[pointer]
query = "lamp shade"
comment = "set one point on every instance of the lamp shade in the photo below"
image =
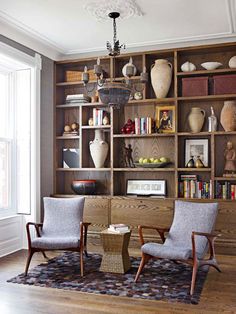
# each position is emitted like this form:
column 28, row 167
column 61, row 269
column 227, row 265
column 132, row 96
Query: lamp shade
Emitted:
column 114, row 93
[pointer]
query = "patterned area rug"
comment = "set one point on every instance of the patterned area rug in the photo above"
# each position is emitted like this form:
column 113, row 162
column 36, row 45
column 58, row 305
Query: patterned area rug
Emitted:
column 160, row 280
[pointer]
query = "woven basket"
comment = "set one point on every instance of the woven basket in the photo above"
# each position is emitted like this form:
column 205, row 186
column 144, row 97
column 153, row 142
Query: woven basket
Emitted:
column 73, row 76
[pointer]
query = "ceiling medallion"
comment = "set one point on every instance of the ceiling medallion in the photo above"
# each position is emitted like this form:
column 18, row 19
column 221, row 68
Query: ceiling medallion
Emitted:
column 101, row 8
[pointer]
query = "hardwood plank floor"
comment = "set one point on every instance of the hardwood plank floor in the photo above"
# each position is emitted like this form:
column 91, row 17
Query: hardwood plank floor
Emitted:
column 218, row 296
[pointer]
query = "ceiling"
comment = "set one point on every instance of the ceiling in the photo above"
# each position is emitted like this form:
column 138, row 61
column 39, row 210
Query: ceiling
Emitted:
column 64, row 29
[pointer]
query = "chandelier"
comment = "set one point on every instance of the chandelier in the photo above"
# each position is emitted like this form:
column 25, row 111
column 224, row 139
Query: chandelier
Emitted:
column 113, row 93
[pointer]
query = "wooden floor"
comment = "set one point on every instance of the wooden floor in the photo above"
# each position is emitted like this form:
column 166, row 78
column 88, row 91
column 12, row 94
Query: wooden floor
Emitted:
column 218, row 296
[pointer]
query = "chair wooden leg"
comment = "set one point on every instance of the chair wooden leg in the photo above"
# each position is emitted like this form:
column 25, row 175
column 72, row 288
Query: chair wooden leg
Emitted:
column 145, row 259
column 81, row 264
column 30, row 254
column 44, row 255
column 194, row 275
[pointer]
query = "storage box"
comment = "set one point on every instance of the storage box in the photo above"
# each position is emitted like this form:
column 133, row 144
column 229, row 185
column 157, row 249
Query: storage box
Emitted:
column 73, row 76
column 194, row 86
column 224, row 84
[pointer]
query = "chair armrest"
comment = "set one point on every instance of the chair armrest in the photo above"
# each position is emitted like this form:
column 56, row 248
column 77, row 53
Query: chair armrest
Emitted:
column 210, row 238
column 160, row 230
column 37, row 226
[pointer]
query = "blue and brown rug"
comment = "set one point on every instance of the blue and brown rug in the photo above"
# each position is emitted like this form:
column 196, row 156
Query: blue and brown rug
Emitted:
column 160, row 279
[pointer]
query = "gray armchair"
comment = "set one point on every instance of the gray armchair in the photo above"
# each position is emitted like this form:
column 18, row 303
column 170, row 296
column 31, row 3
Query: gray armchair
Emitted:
column 62, row 229
column 188, row 239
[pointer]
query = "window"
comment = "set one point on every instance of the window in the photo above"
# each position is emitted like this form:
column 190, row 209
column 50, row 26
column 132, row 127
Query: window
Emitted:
column 18, row 123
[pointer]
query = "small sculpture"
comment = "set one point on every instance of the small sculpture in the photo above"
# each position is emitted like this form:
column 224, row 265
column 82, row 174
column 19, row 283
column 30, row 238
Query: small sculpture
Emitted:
column 71, row 130
column 188, row 67
column 190, row 163
column 90, row 122
column 128, row 159
column 105, row 120
column 230, row 160
column 199, row 163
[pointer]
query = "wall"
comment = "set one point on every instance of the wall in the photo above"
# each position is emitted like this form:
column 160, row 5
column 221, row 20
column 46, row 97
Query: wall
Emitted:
column 46, row 150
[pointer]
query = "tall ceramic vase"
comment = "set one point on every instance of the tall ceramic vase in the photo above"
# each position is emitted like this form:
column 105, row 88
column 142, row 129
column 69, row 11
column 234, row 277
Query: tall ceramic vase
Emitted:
column 196, row 119
column 161, row 75
column 98, row 149
column 228, row 115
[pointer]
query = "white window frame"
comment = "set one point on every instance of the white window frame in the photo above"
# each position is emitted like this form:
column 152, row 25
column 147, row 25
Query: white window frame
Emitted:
column 34, row 62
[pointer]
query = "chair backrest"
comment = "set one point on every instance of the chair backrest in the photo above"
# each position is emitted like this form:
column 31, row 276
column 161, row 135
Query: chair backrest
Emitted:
column 62, row 216
column 189, row 217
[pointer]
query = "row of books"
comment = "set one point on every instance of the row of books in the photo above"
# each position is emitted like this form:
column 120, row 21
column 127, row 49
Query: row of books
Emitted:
column 143, row 125
column 119, row 228
column 98, row 115
column 191, row 187
column 225, row 190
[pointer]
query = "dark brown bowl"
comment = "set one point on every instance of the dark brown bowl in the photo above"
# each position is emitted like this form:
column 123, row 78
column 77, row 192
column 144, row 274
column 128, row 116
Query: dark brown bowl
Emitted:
column 84, row 187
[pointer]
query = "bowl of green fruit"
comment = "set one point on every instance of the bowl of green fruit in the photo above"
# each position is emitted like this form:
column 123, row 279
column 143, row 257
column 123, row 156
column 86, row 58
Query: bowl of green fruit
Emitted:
column 152, row 162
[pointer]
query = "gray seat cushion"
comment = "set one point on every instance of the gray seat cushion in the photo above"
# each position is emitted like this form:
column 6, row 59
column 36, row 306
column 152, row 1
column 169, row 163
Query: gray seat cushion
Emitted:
column 164, row 251
column 55, row 243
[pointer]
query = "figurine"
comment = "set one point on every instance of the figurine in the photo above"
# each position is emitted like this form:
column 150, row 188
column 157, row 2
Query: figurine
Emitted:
column 199, row 163
column 230, row 160
column 128, row 159
column 190, row 163
column 90, row 122
column 105, row 120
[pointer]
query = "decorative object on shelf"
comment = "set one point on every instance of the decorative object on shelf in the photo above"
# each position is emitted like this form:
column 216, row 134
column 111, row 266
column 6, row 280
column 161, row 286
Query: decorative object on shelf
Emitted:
column 95, row 98
column 143, row 125
column 152, row 162
column 105, row 120
column 70, row 158
column 90, row 122
column 84, row 187
column 224, row 84
column 230, row 160
column 190, row 163
column 138, row 96
column 228, row 115
column 194, row 86
column 129, row 127
column 195, row 148
column 190, row 186
column 146, row 187
column 188, row 67
column 161, row 76
column 232, row 62
column 199, row 163
column 165, row 118
column 196, row 119
column 98, row 149
column 77, row 98
column 129, row 69
column 71, row 130
column 212, row 121
column 114, row 93
column 211, row 65
column 128, row 158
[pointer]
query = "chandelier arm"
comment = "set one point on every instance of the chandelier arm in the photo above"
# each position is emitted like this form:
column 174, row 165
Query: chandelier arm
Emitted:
column 89, row 90
column 139, row 89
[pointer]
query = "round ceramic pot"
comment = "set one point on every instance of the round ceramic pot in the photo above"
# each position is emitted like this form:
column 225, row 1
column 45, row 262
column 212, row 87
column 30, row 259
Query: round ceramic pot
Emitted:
column 196, row 119
column 98, row 149
column 84, row 187
column 228, row 115
column 161, row 75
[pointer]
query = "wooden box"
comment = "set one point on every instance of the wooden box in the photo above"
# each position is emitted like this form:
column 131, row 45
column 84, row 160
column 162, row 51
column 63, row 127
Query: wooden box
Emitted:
column 194, row 86
column 73, row 76
column 224, row 84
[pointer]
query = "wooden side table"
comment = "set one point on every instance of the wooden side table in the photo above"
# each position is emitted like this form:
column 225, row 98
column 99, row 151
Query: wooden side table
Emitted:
column 116, row 256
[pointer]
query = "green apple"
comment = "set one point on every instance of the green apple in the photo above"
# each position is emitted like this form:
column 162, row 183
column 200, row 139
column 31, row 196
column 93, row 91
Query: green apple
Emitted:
column 156, row 161
column 145, row 161
column 152, row 160
column 164, row 159
column 140, row 160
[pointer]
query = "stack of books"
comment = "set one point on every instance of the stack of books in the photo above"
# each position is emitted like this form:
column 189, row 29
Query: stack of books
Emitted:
column 77, row 98
column 119, row 228
column 98, row 115
column 191, row 187
column 143, row 125
column 225, row 190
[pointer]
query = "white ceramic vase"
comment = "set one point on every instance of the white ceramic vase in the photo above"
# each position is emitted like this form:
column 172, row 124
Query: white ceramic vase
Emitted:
column 196, row 119
column 228, row 115
column 98, row 149
column 161, row 75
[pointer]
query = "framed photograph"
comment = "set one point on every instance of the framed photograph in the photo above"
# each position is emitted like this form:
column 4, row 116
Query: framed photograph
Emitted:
column 146, row 187
column 165, row 118
column 197, row 148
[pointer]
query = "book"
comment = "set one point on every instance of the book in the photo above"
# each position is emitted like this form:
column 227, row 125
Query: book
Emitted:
column 118, row 228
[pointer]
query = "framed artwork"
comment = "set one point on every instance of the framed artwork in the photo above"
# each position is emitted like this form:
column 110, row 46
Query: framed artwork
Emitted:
column 165, row 118
column 197, row 148
column 146, row 187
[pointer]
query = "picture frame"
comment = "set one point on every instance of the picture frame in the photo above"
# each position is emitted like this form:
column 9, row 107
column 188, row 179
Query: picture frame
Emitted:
column 197, row 147
column 165, row 118
column 146, row 187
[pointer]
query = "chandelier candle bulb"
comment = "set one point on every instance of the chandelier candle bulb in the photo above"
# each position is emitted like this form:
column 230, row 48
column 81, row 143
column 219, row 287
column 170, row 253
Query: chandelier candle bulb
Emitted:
column 98, row 68
column 85, row 75
column 144, row 76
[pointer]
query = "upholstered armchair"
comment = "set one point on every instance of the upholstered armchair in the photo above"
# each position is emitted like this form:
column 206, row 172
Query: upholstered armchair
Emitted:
column 187, row 240
column 63, row 229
